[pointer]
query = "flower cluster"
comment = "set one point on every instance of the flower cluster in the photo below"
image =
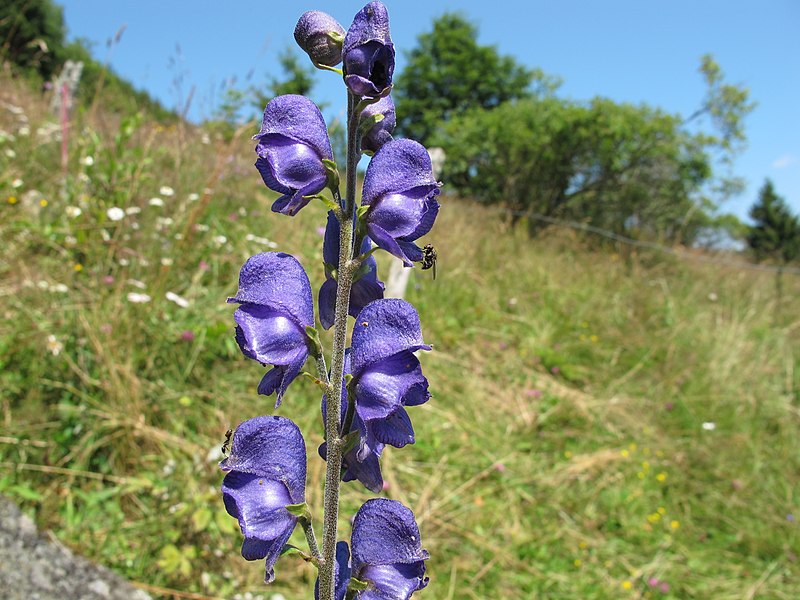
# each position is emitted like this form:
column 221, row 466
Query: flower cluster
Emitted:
column 371, row 384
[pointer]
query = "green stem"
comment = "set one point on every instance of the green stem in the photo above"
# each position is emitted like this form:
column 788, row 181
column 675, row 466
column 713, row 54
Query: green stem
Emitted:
column 346, row 270
column 311, row 538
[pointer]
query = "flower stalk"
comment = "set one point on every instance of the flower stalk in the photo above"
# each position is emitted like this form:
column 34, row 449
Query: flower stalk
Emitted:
column 346, row 269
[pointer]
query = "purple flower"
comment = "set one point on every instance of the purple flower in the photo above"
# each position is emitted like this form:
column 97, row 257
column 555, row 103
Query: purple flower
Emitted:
column 400, row 190
column 368, row 52
column 387, row 553
column 266, row 472
column 366, row 287
column 381, row 132
column 276, row 307
column 367, row 469
column 292, row 144
column 321, row 37
column 386, row 375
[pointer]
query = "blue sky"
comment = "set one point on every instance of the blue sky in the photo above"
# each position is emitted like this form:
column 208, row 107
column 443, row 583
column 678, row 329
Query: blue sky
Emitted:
column 643, row 51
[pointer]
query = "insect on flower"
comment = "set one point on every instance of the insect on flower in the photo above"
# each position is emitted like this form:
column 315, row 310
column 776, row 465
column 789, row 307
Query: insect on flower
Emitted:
column 226, row 445
column 429, row 259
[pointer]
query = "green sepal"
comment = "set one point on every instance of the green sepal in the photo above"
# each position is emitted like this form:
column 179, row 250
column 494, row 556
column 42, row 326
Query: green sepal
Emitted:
column 331, row 271
column 362, row 210
column 336, row 37
column 299, row 510
column 368, row 123
column 357, row 585
column 332, row 171
column 313, row 335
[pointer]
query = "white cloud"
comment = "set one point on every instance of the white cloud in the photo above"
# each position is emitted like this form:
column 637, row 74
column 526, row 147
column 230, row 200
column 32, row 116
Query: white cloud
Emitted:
column 787, row 160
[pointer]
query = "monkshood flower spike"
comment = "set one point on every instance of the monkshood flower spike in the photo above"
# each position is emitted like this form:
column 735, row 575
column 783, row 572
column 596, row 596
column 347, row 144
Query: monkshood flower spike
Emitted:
column 276, row 307
column 368, row 52
column 266, row 472
column 366, row 287
column 388, row 559
column 381, row 132
column 400, row 190
column 387, row 376
column 292, row 144
column 321, row 37
column 367, row 469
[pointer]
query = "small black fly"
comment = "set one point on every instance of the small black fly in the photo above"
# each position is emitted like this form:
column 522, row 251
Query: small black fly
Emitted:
column 226, row 446
column 429, row 259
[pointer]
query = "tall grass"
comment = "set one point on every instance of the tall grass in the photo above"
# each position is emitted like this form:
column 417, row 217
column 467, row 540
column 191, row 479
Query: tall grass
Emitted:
column 602, row 426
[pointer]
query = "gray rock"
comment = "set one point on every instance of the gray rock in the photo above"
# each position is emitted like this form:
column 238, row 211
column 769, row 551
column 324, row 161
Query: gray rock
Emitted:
column 34, row 568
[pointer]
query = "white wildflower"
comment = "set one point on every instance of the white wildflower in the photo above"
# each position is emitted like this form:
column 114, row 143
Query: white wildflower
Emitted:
column 180, row 301
column 709, row 426
column 105, row 235
column 167, row 261
column 166, row 191
column 59, row 288
column 205, row 139
column 162, row 222
column 124, row 262
column 155, row 201
column 713, row 297
column 133, row 210
column 137, row 284
column 220, row 240
column 201, row 227
column 53, row 345
column 24, row 131
column 10, row 153
column 115, row 214
column 17, row 183
column 193, row 197
column 42, row 284
column 73, row 211
column 135, row 226
column 87, row 161
column 260, row 240
column 70, row 240
column 137, row 298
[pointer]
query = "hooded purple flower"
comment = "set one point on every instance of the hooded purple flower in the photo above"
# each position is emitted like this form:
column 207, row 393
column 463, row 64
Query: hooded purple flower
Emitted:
column 292, row 143
column 276, row 307
column 321, row 37
column 387, row 553
column 368, row 52
column 266, row 472
column 366, row 287
column 367, row 470
column 381, row 132
column 400, row 189
column 386, row 375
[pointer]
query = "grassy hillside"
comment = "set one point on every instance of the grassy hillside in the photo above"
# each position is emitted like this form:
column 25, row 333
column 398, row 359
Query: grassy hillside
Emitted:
column 602, row 426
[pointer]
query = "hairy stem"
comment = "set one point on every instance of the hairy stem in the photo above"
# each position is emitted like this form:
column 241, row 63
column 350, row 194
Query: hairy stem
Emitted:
column 347, row 267
column 311, row 538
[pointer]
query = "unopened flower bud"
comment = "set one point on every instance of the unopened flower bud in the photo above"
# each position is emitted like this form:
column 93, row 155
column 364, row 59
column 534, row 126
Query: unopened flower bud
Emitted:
column 321, row 37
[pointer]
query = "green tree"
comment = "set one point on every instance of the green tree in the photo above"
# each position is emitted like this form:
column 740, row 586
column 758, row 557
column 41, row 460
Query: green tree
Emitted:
column 629, row 169
column 32, row 34
column 775, row 233
column 449, row 72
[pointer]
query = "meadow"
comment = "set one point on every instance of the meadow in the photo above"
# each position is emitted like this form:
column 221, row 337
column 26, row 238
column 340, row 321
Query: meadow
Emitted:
column 605, row 423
